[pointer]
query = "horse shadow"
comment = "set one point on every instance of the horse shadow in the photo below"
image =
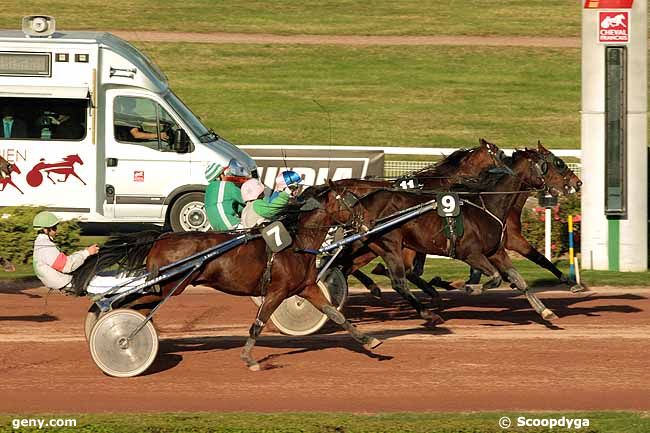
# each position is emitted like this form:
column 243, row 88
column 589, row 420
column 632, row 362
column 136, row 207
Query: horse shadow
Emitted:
column 509, row 307
column 19, row 287
column 41, row 318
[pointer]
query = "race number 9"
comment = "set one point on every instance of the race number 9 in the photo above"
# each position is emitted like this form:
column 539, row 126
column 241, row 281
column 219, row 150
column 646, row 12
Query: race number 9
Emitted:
column 276, row 236
column 448, row 204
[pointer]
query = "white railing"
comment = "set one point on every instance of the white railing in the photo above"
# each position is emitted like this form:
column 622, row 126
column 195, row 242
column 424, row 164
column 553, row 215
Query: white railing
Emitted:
column 427, row 155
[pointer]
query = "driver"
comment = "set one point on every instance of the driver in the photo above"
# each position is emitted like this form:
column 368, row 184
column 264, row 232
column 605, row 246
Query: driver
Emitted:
column 223, row 199
column 258, row 210
column 51, row 266
column 125, row 105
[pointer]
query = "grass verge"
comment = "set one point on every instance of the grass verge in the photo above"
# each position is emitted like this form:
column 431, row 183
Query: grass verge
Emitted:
column 484, row 422
column 345, row 17
column 379, row 96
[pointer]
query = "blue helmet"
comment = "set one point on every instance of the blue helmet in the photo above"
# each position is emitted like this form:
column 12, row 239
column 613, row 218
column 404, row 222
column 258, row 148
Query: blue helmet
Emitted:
column 291, row 178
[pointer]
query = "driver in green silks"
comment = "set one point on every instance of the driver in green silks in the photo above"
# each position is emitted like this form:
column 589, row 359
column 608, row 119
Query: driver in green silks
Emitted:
column 223, row 199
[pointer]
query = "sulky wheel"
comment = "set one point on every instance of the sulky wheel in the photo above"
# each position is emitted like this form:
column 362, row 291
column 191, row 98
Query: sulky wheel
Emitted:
column 91, row 318
column 116, row 355
column 296, row 316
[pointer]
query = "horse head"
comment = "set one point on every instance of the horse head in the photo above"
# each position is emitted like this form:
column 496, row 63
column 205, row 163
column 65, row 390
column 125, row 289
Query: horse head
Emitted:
column 529, row 166
column 559, row 177
column 73, row 159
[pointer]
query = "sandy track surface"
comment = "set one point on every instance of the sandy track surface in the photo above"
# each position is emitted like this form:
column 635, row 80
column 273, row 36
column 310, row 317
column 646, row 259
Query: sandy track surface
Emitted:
column 353, row 40
column 493, row 353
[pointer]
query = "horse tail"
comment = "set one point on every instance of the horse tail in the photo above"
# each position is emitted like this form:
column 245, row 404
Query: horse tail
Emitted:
column 127, row 252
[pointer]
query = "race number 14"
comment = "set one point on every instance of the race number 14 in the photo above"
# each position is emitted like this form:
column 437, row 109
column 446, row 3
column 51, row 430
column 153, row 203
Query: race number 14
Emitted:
column 448, row 204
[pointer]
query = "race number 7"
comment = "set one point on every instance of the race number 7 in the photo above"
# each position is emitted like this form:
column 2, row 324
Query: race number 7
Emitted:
column 448, row 204
column 276, row 236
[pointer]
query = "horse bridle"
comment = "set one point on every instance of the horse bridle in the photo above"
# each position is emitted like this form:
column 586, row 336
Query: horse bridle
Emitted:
column 562, row 168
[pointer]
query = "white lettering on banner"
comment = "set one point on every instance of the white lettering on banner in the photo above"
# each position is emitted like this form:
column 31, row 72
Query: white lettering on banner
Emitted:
column 342, row 173
column 312, row 177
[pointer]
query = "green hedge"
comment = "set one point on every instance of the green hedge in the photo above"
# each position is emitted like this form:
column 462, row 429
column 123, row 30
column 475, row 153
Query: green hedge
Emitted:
column 17, row 234
column 533, row 225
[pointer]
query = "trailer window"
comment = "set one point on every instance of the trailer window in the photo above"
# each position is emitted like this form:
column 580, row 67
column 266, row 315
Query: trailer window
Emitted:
column 143, row 122
column 43, row 119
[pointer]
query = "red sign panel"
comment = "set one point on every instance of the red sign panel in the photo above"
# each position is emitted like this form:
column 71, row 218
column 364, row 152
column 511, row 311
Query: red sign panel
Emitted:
column 614, row 27
column 138, row 176
column 608, row 4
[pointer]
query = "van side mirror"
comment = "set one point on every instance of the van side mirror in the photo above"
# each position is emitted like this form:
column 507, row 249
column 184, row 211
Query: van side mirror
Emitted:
column 181, row 142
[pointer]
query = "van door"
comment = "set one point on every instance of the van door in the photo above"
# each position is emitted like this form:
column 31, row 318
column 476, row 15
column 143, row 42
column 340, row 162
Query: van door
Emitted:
column 141, row 167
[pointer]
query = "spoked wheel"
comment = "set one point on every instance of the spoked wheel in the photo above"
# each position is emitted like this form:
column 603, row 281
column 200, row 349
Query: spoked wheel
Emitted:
column 296, row 315
column 117, row 355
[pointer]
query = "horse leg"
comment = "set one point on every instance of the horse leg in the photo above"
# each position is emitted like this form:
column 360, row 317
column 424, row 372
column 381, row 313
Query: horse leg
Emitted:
column 77, row 176
column 368, row 283
column 504, row 264
column 480, row 262
column 269, row 303
column 413, row 276
column 315, row 296
column 518, row 243
column 394, row 260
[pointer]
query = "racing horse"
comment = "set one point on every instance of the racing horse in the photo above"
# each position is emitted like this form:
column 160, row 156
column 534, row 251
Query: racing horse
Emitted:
column 461, row 164
column 560, row 180
column 566, row 183
column 241, row 271
column 484, row 224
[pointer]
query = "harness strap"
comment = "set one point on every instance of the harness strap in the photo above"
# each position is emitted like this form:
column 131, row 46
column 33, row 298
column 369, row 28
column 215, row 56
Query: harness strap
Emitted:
column 487, row 211
column 266, row 277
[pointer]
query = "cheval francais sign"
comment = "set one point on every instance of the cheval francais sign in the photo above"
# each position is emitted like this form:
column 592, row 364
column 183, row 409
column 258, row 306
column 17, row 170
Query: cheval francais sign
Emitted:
column 614, row 27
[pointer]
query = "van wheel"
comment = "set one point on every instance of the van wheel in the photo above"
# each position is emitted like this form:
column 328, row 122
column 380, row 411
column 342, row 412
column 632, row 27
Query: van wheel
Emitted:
column 188, row 214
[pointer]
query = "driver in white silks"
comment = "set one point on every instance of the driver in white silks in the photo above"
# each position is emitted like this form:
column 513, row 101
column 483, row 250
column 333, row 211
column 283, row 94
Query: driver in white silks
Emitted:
column 52, row 266
column 259, row 210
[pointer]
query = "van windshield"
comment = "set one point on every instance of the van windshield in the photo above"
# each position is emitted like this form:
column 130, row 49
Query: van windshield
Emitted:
column 193, row 122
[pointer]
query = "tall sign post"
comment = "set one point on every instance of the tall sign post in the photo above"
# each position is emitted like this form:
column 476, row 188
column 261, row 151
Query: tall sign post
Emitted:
column 614, row 135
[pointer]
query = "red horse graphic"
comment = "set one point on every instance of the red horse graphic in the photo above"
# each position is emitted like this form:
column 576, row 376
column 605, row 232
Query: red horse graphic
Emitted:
column 6, row 168
column 65, row 167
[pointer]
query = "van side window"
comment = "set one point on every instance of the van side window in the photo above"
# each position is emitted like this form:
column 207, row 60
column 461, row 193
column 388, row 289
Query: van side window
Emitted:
column 43, row 119
column 143, row 122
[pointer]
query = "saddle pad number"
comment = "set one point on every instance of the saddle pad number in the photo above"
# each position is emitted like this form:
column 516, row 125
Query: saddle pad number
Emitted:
column 407, row 184
column 448, row 204
column 276, row 236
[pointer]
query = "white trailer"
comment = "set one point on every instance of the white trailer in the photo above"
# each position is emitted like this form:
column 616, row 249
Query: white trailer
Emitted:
column 95, row 132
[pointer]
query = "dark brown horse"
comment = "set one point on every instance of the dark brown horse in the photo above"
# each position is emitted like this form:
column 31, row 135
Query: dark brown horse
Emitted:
column 560, row 180
column 459, row 165
column 483, row 219
column 241, row 271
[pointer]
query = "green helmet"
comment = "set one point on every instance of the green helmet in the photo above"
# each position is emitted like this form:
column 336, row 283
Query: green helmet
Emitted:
column 45, row 219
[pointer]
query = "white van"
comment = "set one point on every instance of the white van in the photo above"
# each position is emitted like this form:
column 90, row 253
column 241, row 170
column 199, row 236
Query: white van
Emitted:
column 94, row 132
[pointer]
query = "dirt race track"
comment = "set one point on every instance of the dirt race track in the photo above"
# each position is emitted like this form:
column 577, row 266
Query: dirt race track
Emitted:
column 493, row 353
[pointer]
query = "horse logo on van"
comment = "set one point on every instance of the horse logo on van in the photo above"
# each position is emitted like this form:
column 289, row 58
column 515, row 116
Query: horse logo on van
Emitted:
column 65, row 168
column 6, row 170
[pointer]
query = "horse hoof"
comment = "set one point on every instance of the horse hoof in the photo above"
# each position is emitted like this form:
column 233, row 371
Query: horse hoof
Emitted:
column 373, row 343
column 437, row 320
column 577, row 288
column 474, row 289
column 254, row 367
column 376, row 292
column 548, row 315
